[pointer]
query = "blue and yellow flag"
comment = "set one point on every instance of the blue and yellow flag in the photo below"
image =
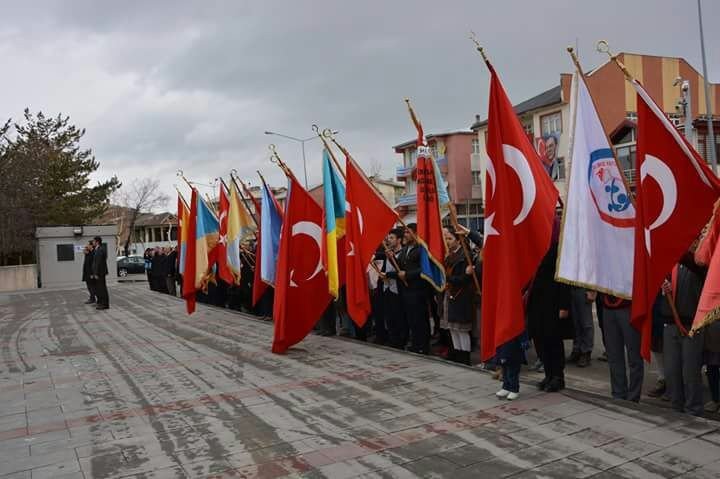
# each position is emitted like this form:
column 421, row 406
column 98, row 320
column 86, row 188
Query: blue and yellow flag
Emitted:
column 207, row 235
column 333, row 223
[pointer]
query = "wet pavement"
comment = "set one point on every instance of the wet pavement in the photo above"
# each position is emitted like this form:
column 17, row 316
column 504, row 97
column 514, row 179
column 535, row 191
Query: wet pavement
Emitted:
column 143, row 390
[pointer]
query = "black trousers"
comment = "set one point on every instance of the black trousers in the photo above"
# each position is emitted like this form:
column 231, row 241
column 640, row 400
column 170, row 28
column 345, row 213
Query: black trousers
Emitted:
column 553, row 356
column 418, row 318
column 395, row 320
column 103, row 297
column 91, row 289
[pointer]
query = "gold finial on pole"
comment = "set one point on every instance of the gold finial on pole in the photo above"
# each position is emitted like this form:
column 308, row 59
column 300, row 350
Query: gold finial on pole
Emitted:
column 182, row 175
column 479, row 47
column 324, row 135
column 275, row 158
column 416, row 122
column 602, row 46
column 576, row 60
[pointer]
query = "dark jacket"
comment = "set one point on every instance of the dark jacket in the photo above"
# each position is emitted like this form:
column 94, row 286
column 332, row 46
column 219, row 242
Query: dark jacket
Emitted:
column 689, row 286
column 409, row 261
column 99, row 262
column 171, row 265
column 87, row 266
column 460, row 289
column 546, row 298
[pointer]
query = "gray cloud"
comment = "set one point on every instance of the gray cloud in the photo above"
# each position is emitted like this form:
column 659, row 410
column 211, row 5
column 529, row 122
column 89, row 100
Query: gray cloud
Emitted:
column 193, row 85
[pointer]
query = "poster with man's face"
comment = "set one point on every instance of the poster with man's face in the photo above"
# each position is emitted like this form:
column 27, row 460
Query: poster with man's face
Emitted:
column 547, row 149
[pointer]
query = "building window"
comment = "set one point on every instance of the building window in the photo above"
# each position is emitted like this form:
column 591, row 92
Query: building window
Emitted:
column 476, row 146
column 477, row 177
column 157, row 234
column 551, row 124
column 65, row 252
column 173, row 234
column 139, row 236
column 626, row 158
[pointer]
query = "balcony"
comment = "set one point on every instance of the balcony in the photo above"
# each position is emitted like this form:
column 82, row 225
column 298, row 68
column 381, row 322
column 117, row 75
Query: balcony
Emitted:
column 402, row 172
column 409, row 199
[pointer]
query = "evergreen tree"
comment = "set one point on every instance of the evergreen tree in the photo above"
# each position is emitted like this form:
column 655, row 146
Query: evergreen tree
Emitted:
column 45, row 181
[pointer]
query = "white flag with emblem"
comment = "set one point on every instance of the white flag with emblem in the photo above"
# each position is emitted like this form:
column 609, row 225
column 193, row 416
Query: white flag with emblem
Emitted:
column 597, row 237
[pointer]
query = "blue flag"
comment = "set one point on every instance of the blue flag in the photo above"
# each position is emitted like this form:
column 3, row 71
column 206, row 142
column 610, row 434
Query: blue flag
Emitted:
column 270, row 225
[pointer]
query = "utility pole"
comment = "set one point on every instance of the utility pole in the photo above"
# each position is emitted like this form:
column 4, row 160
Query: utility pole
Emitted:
column 710, row 139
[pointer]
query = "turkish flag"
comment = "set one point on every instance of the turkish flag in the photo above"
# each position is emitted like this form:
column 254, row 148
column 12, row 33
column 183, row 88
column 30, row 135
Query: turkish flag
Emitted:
column 301, row 287
column 520, row 201
column 221, row 250
column 366, row 224
column 188, row 286
column 675, row 193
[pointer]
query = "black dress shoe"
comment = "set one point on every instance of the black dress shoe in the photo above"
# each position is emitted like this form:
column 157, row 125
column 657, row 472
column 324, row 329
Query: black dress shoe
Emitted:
column 556, row 384
column 90, row 301
column 543, row 384
column 574, row 357
column 100, row 306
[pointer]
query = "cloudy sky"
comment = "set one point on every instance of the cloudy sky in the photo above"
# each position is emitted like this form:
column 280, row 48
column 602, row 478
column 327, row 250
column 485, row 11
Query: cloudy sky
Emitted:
column 163, row 85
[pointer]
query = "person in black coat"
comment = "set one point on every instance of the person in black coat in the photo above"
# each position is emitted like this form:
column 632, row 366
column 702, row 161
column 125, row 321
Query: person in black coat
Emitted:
column 171, row 271
column 458, row 300
column 548, row 320
column 87, row 273
column 99, row 274
column 414, row 292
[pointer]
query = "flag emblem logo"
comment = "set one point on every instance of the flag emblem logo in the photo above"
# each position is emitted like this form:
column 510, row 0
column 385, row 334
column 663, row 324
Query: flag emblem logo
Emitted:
column 608, row 190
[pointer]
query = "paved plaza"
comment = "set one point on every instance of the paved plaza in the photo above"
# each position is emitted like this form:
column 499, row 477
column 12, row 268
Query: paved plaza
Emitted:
column 143, row 390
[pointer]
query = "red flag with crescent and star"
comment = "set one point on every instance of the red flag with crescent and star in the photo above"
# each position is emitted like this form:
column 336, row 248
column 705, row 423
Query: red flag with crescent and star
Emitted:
column 366, row 224
column 675, row 195
column 520, row 201
column 223, row 269
column 301, row 287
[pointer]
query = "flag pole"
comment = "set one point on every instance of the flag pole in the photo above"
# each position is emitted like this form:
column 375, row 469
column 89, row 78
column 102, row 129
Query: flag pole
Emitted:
column 421, row 143
column 581, row 74
column 181, row 197
column 465, row 248
column 182, row 175
column 479, row 48
column 603, row 47
column 235, row 180
column 323, row 138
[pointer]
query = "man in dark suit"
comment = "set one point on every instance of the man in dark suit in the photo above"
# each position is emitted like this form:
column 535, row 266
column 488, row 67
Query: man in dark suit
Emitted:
column 99, row 273
column 87, row 272
column 413, row 292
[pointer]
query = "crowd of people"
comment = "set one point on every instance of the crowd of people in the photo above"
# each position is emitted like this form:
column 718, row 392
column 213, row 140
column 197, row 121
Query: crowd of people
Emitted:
column 407, row 313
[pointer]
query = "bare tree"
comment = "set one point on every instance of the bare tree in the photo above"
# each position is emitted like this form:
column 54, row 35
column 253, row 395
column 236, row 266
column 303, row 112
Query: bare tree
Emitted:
column 141, row 195
column 375, row 168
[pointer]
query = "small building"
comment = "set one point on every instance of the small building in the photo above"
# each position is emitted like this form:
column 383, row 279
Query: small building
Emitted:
column 60, row 253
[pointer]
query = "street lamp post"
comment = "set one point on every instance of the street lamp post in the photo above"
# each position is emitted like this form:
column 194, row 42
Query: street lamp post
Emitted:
column 710, row 138
column 302, row 145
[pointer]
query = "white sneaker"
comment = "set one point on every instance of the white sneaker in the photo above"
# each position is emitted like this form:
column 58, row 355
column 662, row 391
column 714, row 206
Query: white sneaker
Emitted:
column 512, row 396
column 503, row 393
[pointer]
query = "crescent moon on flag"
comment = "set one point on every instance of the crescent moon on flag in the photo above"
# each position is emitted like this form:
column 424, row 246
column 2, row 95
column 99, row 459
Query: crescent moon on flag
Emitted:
column 361, row 225
column 515, row 159
column 314, row 231
column 658, row 170
column 490, row 168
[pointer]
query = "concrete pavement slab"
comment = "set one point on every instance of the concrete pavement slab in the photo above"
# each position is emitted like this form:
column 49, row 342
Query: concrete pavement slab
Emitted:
column 143, row 390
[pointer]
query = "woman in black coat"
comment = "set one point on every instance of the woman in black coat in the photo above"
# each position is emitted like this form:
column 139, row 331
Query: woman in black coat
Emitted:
column 548, row 320
column 458, row 300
